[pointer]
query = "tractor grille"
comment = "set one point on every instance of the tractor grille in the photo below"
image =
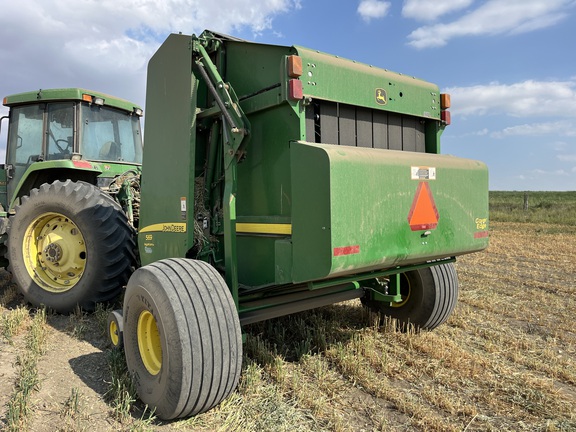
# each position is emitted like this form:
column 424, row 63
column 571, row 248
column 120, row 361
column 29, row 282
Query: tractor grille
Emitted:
column 336, row 123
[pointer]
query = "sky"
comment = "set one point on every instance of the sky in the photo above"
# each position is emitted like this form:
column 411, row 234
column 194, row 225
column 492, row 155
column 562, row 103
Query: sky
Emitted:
column 509, row 65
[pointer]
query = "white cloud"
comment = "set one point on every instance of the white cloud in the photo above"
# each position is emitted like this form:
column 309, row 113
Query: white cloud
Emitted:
column 372, row 9
column 106, row 44
column 559, row 172
column 524, row 99
column 481, row 132
column 567, row 157
column 562, row 128
column 491, row 18
column 559, row 146
column 539, row 180
column 426, row 10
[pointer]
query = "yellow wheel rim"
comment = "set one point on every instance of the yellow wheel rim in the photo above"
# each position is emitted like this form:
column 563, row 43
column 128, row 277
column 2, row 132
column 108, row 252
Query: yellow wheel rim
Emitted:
column 114, row 333
column 149, row 343
column 54, row 252
column 405, row 291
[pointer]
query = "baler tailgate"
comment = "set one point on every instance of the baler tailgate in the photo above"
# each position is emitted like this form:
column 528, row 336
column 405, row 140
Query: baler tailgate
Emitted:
column 359, row 209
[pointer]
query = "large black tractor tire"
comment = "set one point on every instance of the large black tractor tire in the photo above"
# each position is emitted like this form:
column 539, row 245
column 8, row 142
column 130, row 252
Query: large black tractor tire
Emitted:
column 70, row 245
column 429, row 296
column 182, row 337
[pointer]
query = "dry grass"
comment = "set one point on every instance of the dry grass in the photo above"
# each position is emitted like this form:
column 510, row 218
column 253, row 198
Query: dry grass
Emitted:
column 504, row 361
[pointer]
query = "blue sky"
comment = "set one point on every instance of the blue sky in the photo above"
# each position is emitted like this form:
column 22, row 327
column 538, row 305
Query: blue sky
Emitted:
column 509, row 65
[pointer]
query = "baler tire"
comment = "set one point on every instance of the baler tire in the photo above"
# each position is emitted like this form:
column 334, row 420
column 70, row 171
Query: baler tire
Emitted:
column 115, row 326
column 429, row 297
column 70, row 245
column 182, row 338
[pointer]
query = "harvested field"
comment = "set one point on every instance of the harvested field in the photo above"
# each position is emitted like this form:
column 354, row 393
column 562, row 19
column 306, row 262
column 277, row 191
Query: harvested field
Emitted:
column 505, row 360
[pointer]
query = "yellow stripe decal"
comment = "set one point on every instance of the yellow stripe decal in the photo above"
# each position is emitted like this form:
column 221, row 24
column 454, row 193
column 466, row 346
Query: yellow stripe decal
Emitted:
column 176, row 227
column 264, row 228
column 251, row 228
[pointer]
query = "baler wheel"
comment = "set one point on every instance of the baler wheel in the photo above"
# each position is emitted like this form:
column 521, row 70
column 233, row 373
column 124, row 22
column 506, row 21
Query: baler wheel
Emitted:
column 116, row 329
column 70, row 245
column 429, row 296
column 182, row 337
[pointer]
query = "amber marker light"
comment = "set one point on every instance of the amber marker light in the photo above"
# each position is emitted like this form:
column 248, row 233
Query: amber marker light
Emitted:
column 444, row 105
column 444, row 101
column 294, row 66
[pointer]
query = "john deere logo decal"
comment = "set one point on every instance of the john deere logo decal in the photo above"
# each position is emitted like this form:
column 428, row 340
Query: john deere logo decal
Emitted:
column 381, row 98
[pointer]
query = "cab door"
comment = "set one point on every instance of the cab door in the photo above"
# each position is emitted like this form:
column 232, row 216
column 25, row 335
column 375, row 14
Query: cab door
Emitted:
column 25, row 142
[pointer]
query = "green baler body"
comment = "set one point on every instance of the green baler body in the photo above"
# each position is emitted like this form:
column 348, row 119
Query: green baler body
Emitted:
column 343, row 180
column 365, row 198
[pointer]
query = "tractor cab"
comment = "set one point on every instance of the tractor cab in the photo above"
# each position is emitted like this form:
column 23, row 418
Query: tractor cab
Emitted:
column 64, row 129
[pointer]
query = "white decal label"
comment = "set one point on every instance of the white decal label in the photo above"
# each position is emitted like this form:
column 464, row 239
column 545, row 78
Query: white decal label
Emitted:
column 423, row 173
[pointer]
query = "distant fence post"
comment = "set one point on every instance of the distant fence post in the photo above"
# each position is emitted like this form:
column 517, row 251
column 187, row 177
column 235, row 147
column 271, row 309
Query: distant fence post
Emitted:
column 525, row 201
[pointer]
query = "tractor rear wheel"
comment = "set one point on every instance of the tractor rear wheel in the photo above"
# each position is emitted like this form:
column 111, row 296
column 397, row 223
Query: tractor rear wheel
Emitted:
column 182, row 337
column 429, row 296
column 70, row 245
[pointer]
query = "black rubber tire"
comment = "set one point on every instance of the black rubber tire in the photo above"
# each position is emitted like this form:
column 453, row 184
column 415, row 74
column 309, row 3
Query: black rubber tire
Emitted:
column 115, row 328
column 433, row 294
column 109, row 242
column 199, row 335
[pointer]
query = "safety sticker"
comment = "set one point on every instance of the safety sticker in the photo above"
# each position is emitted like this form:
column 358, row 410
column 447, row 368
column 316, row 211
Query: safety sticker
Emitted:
column 423, row 173
column 347, row 250
column 423, row 214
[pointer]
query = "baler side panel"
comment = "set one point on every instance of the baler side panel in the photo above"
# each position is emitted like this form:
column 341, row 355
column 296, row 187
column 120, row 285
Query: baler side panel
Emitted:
column 333, row 78
column 357, row 209
column 166, row 224
column 264, row 206
column 264, row 192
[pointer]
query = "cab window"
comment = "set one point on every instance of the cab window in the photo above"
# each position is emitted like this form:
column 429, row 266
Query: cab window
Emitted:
column 109, row 135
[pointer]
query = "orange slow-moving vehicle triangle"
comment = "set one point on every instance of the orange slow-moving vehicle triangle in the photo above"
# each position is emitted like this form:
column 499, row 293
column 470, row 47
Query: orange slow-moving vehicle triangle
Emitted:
column 423, row 213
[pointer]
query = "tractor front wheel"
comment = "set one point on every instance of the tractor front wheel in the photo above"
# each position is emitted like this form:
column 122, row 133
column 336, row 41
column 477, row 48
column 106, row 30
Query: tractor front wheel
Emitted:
column 182, row 337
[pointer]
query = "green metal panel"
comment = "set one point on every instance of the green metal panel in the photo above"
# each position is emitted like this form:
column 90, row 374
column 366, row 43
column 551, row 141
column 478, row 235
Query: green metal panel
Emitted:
column 352, row 207
column 264, row 190
column 252, row 67
column 114, row 169
column 3, row 189
column 43, row 171
column 167, row 215
column 333, row 78
column 51, row 95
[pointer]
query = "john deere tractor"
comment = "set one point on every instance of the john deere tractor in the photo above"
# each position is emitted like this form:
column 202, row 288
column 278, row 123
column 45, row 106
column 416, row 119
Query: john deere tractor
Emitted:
column 69, row 194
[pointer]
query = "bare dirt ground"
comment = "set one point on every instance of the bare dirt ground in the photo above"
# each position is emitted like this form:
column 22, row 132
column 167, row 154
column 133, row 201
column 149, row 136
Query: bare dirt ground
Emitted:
column 505, row 360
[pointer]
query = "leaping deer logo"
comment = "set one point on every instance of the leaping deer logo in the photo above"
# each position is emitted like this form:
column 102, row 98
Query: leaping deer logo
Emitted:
column 381, row 97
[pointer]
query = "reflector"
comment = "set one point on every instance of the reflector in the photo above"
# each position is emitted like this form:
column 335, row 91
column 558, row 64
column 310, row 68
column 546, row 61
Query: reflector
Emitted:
column 423, row 214
column 445, row 117
column 294, row 66
column 295, row 89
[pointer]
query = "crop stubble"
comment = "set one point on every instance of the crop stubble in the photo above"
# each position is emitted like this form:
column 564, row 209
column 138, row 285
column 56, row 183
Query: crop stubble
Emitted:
column 503, row 361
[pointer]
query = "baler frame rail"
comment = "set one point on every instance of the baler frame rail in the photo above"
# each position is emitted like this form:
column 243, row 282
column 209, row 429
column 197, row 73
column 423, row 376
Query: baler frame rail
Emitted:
column 267, row 304
column 235, row 130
